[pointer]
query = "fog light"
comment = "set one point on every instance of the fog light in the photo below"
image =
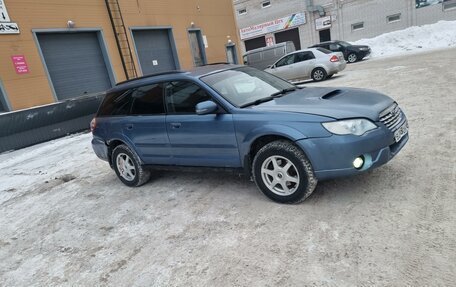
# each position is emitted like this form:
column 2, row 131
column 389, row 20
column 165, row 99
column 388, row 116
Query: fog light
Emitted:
column 358, row 162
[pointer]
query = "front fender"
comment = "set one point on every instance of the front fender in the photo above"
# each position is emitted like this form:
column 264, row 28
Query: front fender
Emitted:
column 268, row 130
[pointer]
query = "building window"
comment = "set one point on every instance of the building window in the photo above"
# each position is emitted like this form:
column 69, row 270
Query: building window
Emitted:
column 358, row 26
column 393, row 18
column 265, row 4
column 449, row 4
column 242, row 11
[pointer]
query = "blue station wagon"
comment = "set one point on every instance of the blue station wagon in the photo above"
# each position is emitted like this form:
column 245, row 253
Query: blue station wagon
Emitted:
column 239, row 118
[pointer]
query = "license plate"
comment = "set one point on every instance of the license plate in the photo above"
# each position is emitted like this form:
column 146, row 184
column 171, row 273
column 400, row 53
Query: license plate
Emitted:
column 401, row 132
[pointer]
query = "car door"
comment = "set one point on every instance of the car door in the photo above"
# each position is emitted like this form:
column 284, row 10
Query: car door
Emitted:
column 303, row 65
column 145, row 126
column 198, row 140
column 283, row 69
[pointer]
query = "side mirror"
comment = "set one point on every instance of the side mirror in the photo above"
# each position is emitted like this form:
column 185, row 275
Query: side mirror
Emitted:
column 206, row 107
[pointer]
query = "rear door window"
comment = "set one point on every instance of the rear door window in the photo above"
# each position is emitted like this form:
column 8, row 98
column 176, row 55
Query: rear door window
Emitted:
column 304, row 56
column 148, row 100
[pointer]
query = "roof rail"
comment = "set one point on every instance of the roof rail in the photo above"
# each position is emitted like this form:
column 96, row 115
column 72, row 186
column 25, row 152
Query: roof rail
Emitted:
column 151, row 75
column 217, row 63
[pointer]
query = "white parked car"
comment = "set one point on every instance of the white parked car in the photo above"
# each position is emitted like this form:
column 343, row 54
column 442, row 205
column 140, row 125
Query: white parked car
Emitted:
column 315, row 63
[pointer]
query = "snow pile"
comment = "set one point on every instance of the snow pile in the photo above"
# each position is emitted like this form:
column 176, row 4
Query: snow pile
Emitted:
column 414, row 39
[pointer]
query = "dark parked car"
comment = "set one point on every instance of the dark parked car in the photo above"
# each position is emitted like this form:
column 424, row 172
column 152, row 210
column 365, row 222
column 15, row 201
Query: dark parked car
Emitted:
column 352, row 53
column 241, row 118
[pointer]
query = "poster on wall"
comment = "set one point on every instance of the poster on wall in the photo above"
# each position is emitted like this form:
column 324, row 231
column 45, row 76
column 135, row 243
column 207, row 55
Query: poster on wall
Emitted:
column 424, row 3
column 273, row 26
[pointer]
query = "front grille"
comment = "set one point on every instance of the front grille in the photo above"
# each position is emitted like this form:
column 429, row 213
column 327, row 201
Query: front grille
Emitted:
column 392, row 116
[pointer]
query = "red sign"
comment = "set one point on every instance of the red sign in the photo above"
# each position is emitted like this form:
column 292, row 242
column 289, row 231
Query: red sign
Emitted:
column 20, row 64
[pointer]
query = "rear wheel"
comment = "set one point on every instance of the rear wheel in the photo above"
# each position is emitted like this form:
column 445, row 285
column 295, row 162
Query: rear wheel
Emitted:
column 352, row 58
column 128, row 166
column 283, row 173
column 319, row 74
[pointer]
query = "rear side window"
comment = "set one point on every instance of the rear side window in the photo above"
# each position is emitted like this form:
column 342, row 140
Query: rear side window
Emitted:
column 183, row 96
column 148, row 100
column 116, row 104
column 323, row 50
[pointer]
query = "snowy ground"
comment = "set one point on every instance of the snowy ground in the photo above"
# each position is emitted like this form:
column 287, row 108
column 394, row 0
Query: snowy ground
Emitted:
column 67, row 220
column 414, row 39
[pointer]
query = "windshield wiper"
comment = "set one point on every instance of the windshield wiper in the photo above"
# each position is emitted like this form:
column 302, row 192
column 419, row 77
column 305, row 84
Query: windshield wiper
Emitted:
column 282, row 92
column 267, row 99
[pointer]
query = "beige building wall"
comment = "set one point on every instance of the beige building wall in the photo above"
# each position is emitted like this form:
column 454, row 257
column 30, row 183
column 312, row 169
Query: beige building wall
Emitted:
column 214, row 18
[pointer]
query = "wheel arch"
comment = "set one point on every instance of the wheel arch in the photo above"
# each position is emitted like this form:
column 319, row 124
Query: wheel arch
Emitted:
column 256, row 140
column 114, row 142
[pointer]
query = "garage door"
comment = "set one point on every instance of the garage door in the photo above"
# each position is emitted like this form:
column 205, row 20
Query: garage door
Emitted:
column 289, row 35
column 255, row 43
column 155, row 51
column 75, row 63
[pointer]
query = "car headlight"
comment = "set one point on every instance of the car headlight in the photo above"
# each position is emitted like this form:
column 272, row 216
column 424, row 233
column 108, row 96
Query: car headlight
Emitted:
column 356, row 127
column 364, row 49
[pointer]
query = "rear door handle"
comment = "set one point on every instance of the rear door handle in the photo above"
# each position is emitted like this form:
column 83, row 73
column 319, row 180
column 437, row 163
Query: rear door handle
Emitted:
column 176, row 125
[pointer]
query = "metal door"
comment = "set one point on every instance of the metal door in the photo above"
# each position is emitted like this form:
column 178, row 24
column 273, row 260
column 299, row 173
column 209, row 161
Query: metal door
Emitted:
column 155, row 50
column 75, row 63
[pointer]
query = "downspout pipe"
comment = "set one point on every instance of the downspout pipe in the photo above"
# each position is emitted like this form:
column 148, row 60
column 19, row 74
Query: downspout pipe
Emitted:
column 318, row 8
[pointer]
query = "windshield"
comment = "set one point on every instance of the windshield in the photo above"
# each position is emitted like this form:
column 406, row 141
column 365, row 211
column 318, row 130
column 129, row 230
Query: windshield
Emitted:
column 345, row 44
column 245, row 85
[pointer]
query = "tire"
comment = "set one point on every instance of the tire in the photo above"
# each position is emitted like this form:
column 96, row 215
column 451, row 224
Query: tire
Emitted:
column 127, row 166
column 319, row 74
column 281, row 184
column 352, row 57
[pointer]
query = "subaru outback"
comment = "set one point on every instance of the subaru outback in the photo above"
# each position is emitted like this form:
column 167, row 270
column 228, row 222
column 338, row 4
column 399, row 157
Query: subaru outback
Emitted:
column 239, row 118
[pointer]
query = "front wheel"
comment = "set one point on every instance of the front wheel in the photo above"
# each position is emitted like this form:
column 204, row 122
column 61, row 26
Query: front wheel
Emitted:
column 283, row 173
column 128, row 166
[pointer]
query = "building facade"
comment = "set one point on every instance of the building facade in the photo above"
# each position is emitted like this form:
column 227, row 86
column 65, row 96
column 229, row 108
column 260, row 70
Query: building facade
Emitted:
column 57, row 50
column 307, row 22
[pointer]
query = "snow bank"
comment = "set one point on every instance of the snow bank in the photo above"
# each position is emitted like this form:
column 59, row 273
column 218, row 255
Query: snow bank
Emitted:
column 414, row 39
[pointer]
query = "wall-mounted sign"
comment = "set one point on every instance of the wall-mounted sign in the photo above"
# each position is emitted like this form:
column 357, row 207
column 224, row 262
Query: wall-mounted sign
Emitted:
column 274, row 25
column 20, row 64
column 9, row 28
column 323, row 23
column 4, row 17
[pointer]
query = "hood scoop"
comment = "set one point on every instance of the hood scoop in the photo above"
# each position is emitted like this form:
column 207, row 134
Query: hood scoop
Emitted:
column 331, row 94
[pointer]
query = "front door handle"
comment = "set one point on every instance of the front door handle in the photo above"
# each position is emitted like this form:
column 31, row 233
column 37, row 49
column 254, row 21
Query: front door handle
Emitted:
column 176, row 125
column 129, row 127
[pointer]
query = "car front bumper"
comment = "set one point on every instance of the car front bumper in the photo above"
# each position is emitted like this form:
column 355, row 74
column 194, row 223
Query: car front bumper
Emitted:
column 333, row 156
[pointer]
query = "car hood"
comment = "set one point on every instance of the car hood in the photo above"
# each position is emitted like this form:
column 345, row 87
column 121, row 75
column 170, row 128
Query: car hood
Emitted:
column 337, row 103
